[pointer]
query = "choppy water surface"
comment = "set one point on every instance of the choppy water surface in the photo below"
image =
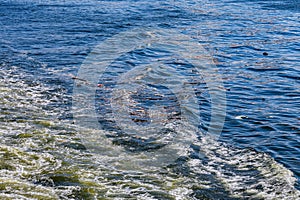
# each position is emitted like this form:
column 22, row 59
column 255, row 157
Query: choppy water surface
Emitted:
column 46, row 154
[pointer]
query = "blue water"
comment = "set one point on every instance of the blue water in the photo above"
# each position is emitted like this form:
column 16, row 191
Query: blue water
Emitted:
column 255, row 46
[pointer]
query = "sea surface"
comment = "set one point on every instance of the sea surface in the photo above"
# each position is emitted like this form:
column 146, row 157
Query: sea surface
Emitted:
column 109, row 99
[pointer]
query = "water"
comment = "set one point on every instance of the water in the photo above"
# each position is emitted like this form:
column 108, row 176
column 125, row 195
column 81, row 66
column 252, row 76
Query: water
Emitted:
column 158, row 148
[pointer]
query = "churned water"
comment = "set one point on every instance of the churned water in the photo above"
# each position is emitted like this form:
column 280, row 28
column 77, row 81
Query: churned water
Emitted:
column 149, row 99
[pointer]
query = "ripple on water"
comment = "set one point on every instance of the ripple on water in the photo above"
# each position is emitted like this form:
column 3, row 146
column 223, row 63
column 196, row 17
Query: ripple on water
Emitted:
column 43, row 158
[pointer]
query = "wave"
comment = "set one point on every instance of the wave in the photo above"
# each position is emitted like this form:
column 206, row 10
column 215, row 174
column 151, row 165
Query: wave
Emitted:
column 43, row 157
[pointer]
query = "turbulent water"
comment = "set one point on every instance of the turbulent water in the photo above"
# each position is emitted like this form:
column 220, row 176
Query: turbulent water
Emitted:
column 134, row 123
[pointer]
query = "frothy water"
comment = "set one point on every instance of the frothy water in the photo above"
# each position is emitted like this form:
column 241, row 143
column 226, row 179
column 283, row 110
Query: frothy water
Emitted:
column 43, row 158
